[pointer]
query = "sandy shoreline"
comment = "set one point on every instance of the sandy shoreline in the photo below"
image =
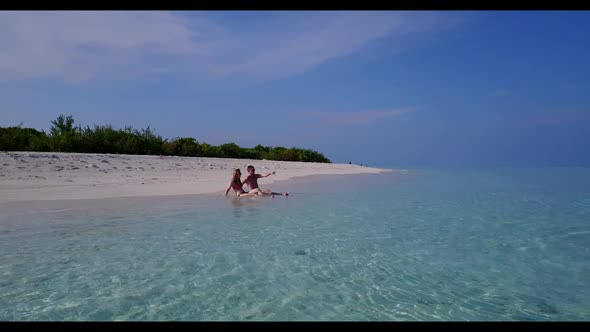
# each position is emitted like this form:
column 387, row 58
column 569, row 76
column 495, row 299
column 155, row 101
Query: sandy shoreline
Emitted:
column 30, row 176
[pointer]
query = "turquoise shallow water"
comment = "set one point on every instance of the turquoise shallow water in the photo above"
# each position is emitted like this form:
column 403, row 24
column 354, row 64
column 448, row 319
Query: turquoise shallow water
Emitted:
column 482, row 245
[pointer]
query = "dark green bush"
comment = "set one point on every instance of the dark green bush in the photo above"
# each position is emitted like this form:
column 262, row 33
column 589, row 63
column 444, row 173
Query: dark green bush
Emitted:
column 64, row 136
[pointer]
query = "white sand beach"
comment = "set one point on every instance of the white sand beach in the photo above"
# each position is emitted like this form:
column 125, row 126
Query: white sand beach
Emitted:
column 31, row 176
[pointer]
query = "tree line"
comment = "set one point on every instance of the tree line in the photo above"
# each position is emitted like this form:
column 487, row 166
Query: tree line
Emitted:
column 64, row 136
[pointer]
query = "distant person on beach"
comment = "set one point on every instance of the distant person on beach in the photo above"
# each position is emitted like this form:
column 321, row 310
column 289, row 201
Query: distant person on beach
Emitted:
column 236, row 184
column 252, row 182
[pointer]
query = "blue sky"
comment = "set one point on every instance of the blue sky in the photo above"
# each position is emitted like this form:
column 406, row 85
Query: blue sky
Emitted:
column 384, row 88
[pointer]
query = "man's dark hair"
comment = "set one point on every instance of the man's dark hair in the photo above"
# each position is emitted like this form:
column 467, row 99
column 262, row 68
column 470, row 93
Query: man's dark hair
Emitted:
column 249, row 167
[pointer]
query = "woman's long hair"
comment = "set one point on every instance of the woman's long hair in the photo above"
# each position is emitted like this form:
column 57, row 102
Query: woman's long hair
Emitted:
column 235, row 178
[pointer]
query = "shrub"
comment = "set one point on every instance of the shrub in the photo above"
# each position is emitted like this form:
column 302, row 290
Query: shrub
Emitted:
column 64, row 136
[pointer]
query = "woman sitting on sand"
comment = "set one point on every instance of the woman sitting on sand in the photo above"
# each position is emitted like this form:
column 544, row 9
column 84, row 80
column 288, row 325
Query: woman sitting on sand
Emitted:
column 236, row 184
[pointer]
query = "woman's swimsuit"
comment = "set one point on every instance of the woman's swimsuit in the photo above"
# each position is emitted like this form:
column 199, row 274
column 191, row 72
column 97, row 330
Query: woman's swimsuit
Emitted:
column 237, row 186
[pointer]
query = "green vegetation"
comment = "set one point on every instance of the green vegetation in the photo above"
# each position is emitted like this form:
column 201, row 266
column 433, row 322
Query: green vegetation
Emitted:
column 64, row 136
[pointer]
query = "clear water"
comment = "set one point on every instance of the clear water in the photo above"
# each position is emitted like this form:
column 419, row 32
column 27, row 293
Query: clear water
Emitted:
column 481, row 245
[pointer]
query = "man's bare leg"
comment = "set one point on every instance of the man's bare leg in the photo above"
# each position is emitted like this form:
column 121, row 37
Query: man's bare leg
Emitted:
column 268, row 192
column 248, row 194
column 259, row 192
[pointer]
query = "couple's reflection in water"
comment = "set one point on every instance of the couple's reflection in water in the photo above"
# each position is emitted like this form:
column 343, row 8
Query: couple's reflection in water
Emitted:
column 245, row 205
column 249, row 206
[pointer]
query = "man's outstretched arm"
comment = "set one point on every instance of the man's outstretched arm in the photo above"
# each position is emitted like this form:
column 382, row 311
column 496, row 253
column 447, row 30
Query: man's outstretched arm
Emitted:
column 269, row 174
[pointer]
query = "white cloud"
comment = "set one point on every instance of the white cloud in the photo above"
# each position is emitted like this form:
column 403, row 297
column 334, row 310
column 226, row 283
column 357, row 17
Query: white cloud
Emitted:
column 78, row 46
column 309, row 39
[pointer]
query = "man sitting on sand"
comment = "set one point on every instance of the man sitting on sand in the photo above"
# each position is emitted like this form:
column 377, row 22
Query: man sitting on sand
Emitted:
column 252, row 182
